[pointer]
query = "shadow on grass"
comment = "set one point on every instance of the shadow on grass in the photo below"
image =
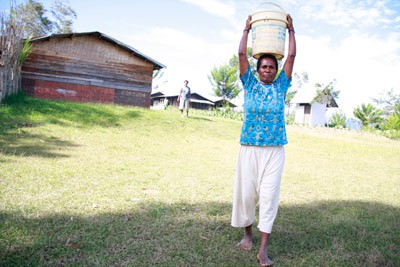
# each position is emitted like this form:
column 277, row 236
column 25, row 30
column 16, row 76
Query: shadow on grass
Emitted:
column 194, row 117
column 321, row 234
column 20, row 110
column 19, row 113
column 27, row 144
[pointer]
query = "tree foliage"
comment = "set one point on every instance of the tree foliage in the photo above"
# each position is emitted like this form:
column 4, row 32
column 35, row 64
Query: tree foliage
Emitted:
column 369, row 115
column 234, row 61
column 25, row 50
column 25, row 21
column 338, row 120
column 300, row 79
column 10, row 56
column 393, row 120
column 388, row 101
column 225, row 78
column 289, row 96
column 33, row 19
column 36, row 22
column 326, row 93
column 224, row 82
column 158, row 78
column 64, row 17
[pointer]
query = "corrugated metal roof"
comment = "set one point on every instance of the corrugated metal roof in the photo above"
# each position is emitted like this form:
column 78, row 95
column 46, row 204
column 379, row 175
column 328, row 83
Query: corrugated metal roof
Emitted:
column 202, row 101
column 109, row 39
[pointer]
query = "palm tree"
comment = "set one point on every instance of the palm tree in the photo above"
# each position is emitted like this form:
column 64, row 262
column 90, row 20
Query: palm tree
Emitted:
column 393, row 120
column 338, row 120
column 368, row 115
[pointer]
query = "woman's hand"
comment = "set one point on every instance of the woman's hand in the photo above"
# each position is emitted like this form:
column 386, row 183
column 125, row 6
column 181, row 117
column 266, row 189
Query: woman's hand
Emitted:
column 289, row 23
column 248, row 26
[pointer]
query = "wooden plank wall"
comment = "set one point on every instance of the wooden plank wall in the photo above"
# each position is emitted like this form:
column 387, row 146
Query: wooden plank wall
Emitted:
column 82, row 67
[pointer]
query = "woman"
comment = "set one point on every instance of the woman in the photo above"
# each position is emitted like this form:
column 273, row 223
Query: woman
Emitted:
column 262, row 156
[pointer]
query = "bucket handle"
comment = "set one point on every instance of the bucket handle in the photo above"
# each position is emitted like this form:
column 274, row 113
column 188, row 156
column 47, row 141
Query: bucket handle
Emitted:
column 271, row 3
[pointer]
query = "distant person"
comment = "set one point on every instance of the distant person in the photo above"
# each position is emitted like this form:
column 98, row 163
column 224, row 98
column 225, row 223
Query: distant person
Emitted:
column 184, row 98
column 166, row 103
column 261, row 156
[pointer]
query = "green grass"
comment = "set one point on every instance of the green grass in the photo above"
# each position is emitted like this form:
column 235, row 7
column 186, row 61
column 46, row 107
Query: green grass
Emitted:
column 103, row 185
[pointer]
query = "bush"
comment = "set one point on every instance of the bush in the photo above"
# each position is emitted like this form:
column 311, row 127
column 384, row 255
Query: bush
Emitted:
column 392, row 123
column 289, row 119
column 226, row 113
column 338, row 120
column 392, row 134
column 234, row 115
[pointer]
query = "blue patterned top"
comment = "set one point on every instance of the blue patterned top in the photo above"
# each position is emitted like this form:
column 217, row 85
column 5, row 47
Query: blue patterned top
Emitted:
column 264, row 111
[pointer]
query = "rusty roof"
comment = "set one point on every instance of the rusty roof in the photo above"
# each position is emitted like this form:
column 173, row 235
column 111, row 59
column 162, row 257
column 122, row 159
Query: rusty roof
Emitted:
column 107, row 38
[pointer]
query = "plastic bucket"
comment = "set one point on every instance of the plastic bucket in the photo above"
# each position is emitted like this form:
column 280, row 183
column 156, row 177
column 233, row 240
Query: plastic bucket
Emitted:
column 268, row 31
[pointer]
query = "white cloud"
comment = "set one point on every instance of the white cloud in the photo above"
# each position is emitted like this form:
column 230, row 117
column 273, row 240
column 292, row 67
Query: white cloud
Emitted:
column 186, row 56
column 362, row 65
column 219, row 8
column 348, row 13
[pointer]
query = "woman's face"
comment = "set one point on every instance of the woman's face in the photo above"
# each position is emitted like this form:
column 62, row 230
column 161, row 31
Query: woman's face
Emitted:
column 267, row 71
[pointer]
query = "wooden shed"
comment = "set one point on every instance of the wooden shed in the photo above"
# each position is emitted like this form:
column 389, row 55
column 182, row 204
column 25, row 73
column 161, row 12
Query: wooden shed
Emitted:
column 88, row 67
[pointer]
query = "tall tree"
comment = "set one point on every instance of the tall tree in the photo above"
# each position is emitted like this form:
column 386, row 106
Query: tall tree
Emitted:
column 224, row 82
column 301, row 79
column 36, row 22
column 326, row 93
column 63, row 15
column 22, row 22
column 225, row 79
column 234, row 62
column 11, row 46
column 369, row 115
column 34, row 19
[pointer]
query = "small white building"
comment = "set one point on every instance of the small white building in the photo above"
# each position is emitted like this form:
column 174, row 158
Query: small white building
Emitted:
column 309, row 112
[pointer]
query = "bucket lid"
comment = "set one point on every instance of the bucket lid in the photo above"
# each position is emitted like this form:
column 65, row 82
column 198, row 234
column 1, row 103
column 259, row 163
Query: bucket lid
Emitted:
column 269, row 15
column 276, row 13
column 262, row 7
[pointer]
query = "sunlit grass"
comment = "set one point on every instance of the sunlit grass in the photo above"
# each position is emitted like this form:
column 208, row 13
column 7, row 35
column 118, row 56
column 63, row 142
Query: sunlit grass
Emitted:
column 87, row 184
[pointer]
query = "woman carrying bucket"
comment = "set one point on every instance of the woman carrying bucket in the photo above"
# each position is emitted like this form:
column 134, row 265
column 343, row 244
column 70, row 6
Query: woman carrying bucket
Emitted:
column 261, row 158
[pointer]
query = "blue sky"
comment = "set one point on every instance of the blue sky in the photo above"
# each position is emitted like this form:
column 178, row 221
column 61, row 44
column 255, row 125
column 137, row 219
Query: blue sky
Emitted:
column 355, row 42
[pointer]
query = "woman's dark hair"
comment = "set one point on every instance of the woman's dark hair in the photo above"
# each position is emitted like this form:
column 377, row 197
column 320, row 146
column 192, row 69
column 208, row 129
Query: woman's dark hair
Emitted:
column 267, row 56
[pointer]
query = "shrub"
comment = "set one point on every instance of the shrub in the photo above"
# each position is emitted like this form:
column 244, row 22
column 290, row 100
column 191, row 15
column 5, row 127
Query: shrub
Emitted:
column 392, row 123
column 338, row 120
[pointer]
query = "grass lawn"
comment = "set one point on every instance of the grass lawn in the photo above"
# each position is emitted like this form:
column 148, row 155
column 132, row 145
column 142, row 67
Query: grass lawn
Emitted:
column 103, row 185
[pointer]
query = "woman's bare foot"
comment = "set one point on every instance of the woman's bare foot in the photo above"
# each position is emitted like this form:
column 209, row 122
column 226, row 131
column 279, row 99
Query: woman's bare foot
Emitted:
column 246, row 243
column 264, row 260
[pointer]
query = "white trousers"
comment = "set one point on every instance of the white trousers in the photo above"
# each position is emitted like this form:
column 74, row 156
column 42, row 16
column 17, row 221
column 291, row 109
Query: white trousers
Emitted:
column 184, row 104
column 257, row 180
